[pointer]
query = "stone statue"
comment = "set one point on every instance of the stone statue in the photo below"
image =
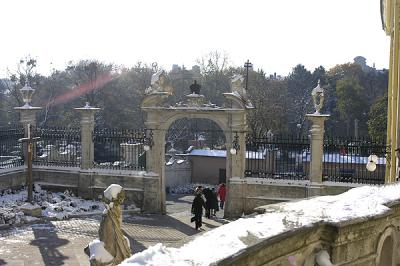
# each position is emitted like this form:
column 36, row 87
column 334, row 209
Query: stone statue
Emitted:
column 318, row 98
column 158, row 83
column 112, row 247
column 237, row 85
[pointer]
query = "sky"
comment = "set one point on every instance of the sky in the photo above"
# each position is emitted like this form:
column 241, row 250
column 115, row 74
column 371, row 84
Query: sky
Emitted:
column 273, row 35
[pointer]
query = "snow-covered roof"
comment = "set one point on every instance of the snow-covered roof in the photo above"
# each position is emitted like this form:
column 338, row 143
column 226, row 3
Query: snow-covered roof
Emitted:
column 222, row 154
column 225, row 240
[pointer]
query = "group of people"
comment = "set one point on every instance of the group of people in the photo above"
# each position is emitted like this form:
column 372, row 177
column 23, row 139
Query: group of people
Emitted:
column 208, row 199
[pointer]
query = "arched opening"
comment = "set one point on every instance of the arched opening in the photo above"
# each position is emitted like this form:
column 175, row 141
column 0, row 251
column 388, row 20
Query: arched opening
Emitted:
column 201, row 144
column 386, row 256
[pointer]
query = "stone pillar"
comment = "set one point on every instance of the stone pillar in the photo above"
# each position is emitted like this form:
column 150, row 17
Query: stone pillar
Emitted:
column 27, row 116
column 236, row 185
column 317, row 145
column 87, row 127
column 155, row 165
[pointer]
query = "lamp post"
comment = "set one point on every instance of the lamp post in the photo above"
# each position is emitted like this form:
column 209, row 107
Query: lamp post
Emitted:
column 27, row 93
column 148, row 141
column 235, row 144
column 27, row 118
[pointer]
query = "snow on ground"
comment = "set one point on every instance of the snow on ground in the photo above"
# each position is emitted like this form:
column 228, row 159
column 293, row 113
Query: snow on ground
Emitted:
column 53, row 204
column 225, row 240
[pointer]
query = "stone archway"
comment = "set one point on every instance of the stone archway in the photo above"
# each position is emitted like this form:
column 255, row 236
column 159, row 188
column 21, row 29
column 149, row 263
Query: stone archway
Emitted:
column 190, row 136
column 386, row 250
column 231, row 118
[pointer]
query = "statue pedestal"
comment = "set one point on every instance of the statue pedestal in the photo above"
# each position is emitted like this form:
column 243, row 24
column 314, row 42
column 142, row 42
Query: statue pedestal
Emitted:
column 87, row 127
column 195, row 100
column 317, row 145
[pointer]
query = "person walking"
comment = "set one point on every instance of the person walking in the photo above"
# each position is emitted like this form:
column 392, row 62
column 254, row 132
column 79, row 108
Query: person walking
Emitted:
column 197, row 208
column 214, row 202
column 208, row 204
column 222, row 195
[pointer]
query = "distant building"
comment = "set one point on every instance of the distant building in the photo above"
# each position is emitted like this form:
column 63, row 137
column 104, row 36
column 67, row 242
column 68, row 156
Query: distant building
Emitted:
column 275, row 77
column 176, row 68
column 362, row 62
column 181, row 72
column 215, row 162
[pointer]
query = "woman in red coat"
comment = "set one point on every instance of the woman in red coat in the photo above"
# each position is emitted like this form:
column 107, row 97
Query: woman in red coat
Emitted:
column 222, row 194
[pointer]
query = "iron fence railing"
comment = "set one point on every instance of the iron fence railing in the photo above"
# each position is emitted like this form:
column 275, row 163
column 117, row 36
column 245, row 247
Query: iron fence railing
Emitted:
column 279, row 157
column 119, row 149
column 57, row 147
column 11, row 152
column 345, row 160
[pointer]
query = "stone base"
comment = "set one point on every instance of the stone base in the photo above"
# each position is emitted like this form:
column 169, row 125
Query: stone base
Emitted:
column 195, row 100
column 31, row 210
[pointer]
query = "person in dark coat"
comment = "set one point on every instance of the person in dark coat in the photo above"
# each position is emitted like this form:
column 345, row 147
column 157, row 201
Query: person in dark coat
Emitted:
column 197, row 208
column 214, row 202
column 208, row 195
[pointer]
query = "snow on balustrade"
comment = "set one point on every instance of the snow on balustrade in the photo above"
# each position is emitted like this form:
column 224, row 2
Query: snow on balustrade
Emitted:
column 226, row 240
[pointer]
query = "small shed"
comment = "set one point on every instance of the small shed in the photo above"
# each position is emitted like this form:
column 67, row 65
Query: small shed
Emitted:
column 209, row 166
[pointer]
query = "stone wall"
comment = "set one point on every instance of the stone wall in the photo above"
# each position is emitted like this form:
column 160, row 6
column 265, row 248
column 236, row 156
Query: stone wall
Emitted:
column 141, row 188
column 12, row 178
column 248, row 193
column 366, row 242
column 178, row 174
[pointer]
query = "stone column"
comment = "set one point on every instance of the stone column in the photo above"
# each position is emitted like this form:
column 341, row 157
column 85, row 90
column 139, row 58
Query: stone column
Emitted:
column 87, row 150
column 317, row 145
column 87, row 127
column 236, row 184
column 27, row 116
column 154, row 198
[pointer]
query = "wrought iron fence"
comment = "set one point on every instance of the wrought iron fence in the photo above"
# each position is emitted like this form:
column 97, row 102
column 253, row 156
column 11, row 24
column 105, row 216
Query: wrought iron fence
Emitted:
column 345, row 160
column 119, row 149
column 278, row 157
column 198, row 132
column 11, row 152
column 57, row 147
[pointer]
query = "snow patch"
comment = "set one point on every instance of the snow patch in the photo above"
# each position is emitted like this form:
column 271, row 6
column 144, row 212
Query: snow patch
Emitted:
column 98, row 252
column 54, row 205
column 112, row 191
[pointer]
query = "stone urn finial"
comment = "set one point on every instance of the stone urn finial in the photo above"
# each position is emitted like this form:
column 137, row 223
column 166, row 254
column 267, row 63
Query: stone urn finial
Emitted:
column 318, row 97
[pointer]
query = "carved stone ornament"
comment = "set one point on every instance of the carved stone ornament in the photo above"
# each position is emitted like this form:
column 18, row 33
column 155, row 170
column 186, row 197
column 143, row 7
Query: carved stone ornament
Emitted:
column 318, row 98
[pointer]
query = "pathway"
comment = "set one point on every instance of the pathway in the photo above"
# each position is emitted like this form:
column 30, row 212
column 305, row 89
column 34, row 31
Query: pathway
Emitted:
column 62, row 242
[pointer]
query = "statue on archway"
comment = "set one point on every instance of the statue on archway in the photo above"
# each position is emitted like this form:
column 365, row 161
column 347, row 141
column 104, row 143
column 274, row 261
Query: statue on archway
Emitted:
column 237, row 85
column 158, row 83
column 112, row 247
